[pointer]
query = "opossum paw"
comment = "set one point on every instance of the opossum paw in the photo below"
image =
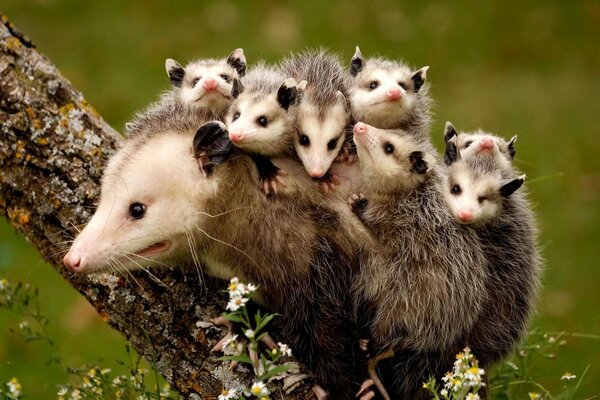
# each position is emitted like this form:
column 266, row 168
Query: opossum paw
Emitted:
column 319, row 393
column 365, row 392
column 269, row 185
column 358, row 203
column 346, row 155
column 363, row 344
column 329, row 182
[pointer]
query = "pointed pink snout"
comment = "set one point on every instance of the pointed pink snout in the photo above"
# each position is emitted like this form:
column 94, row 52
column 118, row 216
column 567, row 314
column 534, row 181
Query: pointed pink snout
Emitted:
column 210, row 84
column 486, row 143
column 316, row 172
column 72, row 261
column 361, row 128
column 236, row 136
column 394, row 94
column 465, row 216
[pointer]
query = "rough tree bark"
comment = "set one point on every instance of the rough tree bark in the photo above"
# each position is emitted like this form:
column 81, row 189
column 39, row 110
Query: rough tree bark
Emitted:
column 53, row 149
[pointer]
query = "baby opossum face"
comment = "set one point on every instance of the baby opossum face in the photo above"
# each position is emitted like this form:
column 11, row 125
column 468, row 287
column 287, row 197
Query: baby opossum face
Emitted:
column 384, row 93
column 263, row 124
column 389, row 160
column 320, row 134
column 149, row 205
column 475, row 186
column 207, row 83
column 480, row 143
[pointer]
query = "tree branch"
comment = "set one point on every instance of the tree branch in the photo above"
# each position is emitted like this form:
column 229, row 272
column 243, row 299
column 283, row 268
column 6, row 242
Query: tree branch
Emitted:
column 53, row 149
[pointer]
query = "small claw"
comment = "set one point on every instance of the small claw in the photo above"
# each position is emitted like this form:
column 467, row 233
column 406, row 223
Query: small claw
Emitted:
column 222, row 321
column 273, row 185
column 266, row 187
column 352, row 158
column 269, row 342
column 368, row 395
column 282, row 172
column 363, row 344
column 281, row 180
column 365, row 386
column 319, row 392
column 221, row 344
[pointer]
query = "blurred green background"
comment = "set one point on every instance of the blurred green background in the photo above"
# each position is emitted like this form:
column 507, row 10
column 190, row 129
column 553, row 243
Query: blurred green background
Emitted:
column 511, row 67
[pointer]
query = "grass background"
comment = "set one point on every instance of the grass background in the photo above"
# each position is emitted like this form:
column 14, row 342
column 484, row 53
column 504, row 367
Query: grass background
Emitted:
column 511, row 67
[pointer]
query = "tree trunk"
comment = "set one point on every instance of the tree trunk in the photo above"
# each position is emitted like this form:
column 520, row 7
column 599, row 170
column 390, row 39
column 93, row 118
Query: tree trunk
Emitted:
column 53, row 149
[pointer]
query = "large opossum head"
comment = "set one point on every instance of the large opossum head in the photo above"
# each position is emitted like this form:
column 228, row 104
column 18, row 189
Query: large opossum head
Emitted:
column 476, row 185
column 207, row 83
column 391, row 160
column 480, row 143
column 262, row 122
column 151, row 205
column 321, row 130
column 384, row 93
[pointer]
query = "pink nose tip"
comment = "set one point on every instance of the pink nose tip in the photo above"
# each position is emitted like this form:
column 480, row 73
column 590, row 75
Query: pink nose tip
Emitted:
column 465, row 216
column 487, row 143
column 236, row 136
column 360, row 128
column 316, row 173
column 72, row 261
column 394, row 94
column 210, row 84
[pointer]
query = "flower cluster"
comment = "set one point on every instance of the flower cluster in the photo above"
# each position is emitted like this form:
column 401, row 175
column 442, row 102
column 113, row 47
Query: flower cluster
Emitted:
column 13, row 388
column 463, row 382
column 249, row 347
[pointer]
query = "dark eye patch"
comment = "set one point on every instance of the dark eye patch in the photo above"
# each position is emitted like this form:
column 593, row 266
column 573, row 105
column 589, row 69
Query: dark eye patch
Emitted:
column 331, row 144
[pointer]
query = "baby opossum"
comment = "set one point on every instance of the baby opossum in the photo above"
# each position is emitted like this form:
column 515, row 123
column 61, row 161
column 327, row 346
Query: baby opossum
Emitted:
column 206, row 84
column 423, row 286
column 168, row 195
column 482, row 143
column 482, row 192
column 261, row 119
column 389, row 95
column 323, row 115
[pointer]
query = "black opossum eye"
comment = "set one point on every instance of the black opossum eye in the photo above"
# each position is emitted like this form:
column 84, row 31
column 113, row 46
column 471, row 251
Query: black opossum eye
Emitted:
column 456, row 189
column 468, row 143
column 373, row 85
column 236, row 115
column 137, row 210
column 331, row 144
column 195, row 81
column 388, row 148
column 403, row 85
column 225, row 77
column 262, row 121
column 304, row 140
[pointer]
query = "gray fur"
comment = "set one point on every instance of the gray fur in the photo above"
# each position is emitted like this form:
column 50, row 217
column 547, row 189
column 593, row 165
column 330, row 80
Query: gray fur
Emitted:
column 416, row 120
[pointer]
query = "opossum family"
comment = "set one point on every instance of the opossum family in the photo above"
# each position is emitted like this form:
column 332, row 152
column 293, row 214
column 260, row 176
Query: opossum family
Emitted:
column 420, row 254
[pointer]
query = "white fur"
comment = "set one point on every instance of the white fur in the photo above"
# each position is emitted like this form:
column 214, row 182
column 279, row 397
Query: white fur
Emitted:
column 316, row 157
column 163, row 175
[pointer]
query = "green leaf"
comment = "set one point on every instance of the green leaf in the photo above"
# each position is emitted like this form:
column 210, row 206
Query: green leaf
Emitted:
column 240, row 357
column 280, row 369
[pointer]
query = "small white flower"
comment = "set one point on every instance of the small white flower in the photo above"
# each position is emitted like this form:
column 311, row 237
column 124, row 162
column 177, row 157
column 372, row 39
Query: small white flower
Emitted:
column 284, row 349
column 472, row 396
column 235, row 302
column 534, row 396
column 227, row 394
column 229, row 342
column 444, row 392
column 249, row 333
column 234, row 287
column 259, row 389
column 3, row 284
column 247, row 289
column 567, row 376
column 75, row 394
column 62, row 391
column 104, row 371
column 14, row 387
column 23, row 325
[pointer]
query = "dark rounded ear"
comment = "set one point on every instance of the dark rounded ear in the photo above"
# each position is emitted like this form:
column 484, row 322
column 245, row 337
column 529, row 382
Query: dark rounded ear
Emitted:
column 287, row 93
column 449, row 131
column 237, row 88
column 419, row 77
column 511, row 147
column 175, row 72
column 237, row 60
column 358, row 62
column 509, row 188
column 211, row 146
column 452, row 154
column 419, row 165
